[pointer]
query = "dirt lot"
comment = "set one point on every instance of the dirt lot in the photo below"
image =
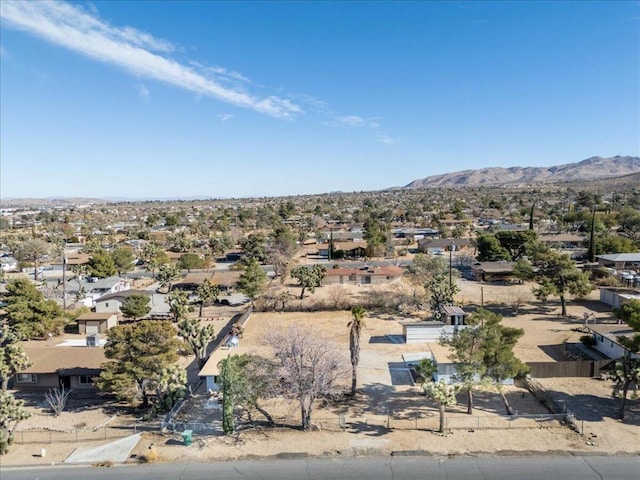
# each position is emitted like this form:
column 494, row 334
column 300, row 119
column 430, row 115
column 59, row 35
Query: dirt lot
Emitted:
column 384, row 415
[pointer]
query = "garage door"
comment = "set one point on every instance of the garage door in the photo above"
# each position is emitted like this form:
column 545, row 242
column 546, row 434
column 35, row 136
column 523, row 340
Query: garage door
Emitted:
column 93, row 327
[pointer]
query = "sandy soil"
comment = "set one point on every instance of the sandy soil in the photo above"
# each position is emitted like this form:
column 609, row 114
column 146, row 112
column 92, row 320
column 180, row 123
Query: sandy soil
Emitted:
column 386, row 400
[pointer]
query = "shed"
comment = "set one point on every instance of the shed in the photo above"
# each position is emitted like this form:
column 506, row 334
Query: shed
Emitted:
column 89, row 323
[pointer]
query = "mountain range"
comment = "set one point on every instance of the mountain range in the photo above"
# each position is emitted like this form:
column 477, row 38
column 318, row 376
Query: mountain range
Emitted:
column 593, row 168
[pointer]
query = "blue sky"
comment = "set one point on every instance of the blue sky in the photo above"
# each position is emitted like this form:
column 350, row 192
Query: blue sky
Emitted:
column 232, row 99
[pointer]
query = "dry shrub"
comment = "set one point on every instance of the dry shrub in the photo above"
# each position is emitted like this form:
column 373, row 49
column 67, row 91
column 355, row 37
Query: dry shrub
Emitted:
column 151, row 456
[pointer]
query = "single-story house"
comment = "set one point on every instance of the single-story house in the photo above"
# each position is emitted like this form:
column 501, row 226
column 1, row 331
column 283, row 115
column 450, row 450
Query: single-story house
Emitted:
column 210, row 372
column 54, row 366
column 564, row 241
column 433, row 330
column 354, row 249
column 112, row 302
column 606, row 339
column 620, row 261
column 441, row 245
column 93, row 322
column 615, row 297
column 362, row 276
column 415, row 233
column 192, row 281
column 442, row 357
column 493, row 271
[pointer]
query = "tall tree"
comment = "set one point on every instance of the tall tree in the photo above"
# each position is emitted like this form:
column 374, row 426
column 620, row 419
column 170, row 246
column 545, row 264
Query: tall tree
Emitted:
column 255, row 246
column 122, row 259
column 490, row 250
column 137, row 354
column 375, row 233
column 245, row 380
column 557, row 274
column 309, row 277
column 253, row 280
column 198, row 336
column 190, row 261
column 135, row 306
column 13, row 358
column 355, row 331
column 11, row 413
column 515, row 242
column 466, row 345
column 497, row 349
column 628, row 367
column 101, row 264
column 29, row 313
column 309, row 368
column 207, row 293
column 33, row 251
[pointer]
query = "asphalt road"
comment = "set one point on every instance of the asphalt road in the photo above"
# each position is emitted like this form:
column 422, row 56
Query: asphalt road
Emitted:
column 370, row 468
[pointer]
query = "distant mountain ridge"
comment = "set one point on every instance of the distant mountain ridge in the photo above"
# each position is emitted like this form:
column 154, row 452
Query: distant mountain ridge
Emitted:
column 590, row 169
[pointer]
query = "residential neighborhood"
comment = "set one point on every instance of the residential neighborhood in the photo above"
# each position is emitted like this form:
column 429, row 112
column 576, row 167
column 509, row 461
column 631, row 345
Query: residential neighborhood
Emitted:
column 227, row 293
column 319, row 239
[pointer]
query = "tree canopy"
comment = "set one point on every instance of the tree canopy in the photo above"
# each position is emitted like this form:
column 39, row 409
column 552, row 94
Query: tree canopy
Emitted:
column 558, row 275
column 309, row 277
column 136, row 306
column 122, row 259
column 253, row 280
column 101, row 264
column 29, row 313
column 139, row 354
column 13, row 358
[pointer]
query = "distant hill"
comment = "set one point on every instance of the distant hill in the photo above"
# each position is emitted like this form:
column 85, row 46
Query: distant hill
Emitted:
column 593, row 168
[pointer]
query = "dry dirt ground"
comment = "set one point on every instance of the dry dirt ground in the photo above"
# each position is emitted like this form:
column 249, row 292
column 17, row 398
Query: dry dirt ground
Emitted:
column 389, row 414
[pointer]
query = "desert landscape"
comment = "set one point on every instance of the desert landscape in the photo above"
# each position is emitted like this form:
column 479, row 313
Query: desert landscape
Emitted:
column 389, row 413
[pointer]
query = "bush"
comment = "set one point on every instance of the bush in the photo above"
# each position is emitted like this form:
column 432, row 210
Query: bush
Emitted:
column 151, row 456
column 588, row 340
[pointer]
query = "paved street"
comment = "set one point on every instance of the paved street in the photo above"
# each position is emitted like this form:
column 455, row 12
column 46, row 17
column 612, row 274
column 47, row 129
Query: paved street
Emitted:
column 370, row 468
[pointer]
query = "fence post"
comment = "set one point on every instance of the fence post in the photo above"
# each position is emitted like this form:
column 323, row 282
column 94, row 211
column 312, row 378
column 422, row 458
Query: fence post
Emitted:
column 50, row 437
column 478, row 427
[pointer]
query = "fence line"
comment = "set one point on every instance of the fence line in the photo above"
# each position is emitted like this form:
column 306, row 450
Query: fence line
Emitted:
column 45, row 435
column 572, row 368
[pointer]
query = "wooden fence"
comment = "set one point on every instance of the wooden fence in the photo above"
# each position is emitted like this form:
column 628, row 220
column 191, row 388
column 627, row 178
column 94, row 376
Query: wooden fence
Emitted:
column 569, row 368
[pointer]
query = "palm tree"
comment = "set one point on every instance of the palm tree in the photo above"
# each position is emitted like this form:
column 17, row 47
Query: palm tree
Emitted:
column 355, row 329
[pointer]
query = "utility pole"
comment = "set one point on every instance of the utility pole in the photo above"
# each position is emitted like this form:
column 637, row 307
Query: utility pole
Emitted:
column 452, row 247
column 64, row 278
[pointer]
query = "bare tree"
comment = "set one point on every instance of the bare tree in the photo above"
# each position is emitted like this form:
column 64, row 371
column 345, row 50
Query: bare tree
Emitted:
column 518, row 298
column 308, row 368
column 33, row 251
column 57, row 399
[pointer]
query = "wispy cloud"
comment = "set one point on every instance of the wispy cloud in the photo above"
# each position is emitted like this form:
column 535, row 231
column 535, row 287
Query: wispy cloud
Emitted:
column 353, row 121
column 83, row 31
column 3, row 52
column 225, row 116
column 143, row 93
column 388, row 139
